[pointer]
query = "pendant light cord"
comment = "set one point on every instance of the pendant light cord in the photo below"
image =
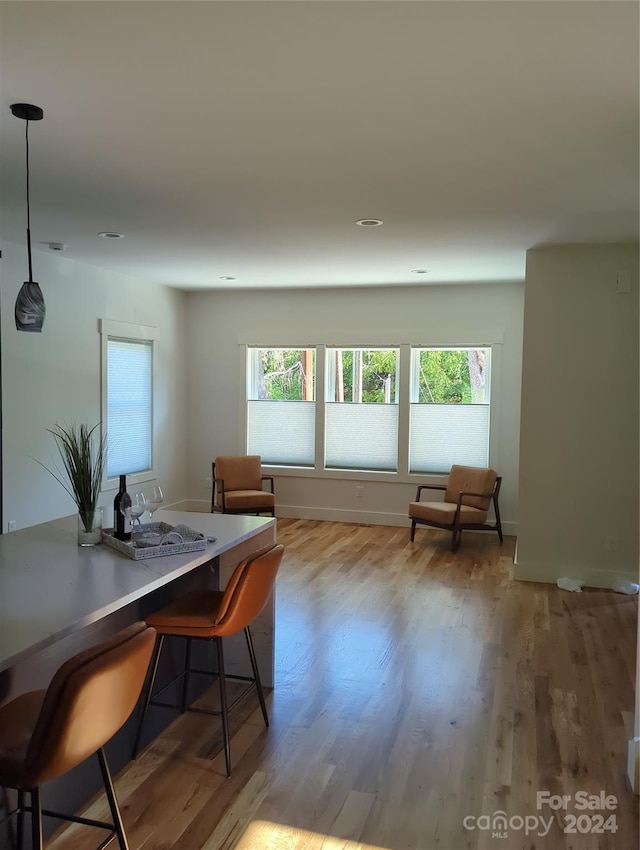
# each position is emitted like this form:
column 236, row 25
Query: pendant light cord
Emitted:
column 28, row 208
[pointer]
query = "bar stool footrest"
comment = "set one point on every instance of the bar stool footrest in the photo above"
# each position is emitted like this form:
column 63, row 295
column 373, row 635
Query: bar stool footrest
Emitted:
column 212, row 711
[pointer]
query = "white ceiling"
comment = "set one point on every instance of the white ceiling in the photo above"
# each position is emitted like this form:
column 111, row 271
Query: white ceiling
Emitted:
column 246, row 138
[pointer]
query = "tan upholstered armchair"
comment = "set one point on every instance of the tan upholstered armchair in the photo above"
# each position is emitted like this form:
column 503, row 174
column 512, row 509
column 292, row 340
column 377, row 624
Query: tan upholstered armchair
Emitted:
column 468, row 494
column 237, row 486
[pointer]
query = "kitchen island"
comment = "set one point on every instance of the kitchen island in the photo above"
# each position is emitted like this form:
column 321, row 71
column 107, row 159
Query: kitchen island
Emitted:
column 57, row 598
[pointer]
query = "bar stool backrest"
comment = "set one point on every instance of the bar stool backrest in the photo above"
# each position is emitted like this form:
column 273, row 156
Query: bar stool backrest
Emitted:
column 248, row 590
column 89, row 699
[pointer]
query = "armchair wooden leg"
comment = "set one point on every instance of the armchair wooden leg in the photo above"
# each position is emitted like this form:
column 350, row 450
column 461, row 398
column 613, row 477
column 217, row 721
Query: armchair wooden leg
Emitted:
column 498, row 523
column 413, row 529
column 455, row 539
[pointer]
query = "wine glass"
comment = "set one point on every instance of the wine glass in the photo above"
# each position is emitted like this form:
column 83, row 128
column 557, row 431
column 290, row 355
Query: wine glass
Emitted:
column 138, row 507
column 153, row 503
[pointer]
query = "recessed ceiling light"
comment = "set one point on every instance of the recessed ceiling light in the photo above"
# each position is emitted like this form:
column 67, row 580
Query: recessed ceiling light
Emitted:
column 369, row 222
column 110, row 234
column 419, row 271
column 226, row 277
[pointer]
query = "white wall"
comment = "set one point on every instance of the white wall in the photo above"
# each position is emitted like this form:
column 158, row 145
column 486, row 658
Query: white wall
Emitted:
column 55, row 376
column 570, row 444
column 216, row 375
column 579, row 424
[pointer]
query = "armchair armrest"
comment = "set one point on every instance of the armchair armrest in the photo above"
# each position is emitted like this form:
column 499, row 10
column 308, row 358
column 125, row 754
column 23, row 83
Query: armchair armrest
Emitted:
column 218, row 486
column 269, row 478
column 422, row 487
column 479, row 495
column 214, row 482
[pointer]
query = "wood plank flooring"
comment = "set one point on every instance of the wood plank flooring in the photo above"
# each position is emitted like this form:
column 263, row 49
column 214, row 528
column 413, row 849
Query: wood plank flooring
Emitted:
column 414, row 688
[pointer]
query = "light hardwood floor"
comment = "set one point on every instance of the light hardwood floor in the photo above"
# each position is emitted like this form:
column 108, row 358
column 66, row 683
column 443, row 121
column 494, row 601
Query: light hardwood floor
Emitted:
column 414, row 688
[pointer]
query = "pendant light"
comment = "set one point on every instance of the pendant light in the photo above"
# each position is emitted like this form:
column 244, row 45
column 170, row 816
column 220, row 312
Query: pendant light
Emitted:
column 30, row 309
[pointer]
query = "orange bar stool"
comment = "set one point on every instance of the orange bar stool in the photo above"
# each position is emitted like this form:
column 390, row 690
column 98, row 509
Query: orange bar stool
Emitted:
column 46, row 733
column 212, row 615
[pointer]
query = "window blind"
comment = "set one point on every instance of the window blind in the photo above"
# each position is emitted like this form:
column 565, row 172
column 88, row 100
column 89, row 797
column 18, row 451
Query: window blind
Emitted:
column 361, row 436
column 129, row 406
column 282, row 432
column 444, row 434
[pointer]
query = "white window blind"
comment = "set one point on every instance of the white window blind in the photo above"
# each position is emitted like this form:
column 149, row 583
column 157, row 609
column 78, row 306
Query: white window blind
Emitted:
column 444, row 434
column 406, row 409
column 361, row 436
column 129, row 406
column 282, row 432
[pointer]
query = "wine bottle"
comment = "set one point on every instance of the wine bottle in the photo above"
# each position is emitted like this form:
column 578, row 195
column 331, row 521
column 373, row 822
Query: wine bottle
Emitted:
column 122, row 521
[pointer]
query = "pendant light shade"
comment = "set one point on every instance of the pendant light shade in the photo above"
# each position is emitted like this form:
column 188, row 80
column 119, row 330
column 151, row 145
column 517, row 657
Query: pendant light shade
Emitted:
column 30, row 309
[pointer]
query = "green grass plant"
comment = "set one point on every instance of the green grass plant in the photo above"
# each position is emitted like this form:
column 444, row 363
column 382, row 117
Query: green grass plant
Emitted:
column 83, row 458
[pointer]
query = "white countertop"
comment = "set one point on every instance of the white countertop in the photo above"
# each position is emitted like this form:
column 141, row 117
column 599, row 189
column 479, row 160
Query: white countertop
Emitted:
column 51, row 587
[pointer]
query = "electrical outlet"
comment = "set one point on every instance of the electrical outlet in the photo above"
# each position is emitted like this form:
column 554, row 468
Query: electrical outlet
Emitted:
column 610, row 543
column 359, row 491
column 623, row 281
column 11, row 525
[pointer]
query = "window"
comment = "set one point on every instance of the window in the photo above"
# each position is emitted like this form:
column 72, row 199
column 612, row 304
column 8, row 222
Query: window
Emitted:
column 449, row 415
column 399, row 410
column 361, row 425
column 128, row 398
column 281, row 406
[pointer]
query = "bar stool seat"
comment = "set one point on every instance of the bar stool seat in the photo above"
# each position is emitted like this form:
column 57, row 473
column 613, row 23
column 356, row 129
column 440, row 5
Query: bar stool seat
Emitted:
column 212, row 615
column 192, row 615
column 46, row 733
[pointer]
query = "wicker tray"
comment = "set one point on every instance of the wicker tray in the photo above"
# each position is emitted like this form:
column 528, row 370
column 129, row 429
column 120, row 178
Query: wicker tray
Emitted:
column 156, row 539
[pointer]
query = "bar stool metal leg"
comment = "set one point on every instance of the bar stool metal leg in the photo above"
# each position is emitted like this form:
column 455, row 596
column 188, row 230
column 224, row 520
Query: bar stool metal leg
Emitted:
column 113, row 802
column 155, row 659
column 256, row 675
column 36, row 820
column 6, row 824
column 224, row 710
column 20, row 823
column 185, row 680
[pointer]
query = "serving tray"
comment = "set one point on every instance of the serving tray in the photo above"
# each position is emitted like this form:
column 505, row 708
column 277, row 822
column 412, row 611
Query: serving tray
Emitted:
column 156, row 539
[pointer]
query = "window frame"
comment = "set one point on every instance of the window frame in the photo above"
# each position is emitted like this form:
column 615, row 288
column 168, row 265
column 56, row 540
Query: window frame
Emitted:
column 374, row 338
column 132, row 333
column 414, row 356
column 331, row 353
column 251, row 398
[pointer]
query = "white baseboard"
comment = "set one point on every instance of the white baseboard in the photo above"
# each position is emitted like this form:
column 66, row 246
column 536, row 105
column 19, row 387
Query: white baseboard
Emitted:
column 589, row 576
column 338, row 515
column 342, row 515
column 363, row 517
column 633, row 765
column 185, row 505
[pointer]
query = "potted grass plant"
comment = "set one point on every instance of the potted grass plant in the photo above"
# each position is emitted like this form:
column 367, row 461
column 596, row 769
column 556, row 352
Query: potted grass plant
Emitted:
column 83, row 454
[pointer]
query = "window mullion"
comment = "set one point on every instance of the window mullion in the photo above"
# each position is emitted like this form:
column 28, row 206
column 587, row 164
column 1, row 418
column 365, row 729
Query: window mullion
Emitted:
column 322, row 390
column 404, row 382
